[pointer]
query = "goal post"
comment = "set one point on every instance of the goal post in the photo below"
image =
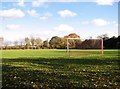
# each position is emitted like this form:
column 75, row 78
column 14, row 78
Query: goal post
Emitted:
column 87, row 44
column 68, row 49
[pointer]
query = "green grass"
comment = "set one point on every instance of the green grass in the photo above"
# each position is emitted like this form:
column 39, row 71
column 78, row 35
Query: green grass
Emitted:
column 48, row 69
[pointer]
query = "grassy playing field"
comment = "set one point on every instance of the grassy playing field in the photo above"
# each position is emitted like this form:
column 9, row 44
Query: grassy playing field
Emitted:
column 48, row 69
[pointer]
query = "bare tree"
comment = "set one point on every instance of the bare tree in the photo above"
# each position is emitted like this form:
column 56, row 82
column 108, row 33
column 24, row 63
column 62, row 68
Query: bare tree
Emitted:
column 33, row 41
column 15, row 43
column 46, row 43
column 7, row 43
column 38, row 42
column 104, row 36
column 27, row 41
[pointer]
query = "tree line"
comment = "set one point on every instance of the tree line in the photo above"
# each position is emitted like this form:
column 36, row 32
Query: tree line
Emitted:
column 61, row 43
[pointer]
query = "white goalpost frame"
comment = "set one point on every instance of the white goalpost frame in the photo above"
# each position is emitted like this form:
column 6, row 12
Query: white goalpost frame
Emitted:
column 102, row 49
column 68, row 43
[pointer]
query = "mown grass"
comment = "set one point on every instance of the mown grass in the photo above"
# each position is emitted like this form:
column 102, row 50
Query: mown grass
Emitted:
column 49, row 69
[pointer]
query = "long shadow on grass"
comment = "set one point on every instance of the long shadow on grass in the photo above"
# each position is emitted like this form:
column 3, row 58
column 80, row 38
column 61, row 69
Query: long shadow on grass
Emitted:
column 64, row 61
column 60, row 73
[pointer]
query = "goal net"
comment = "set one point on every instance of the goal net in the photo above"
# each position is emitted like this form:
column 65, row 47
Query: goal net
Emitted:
column 78, row 47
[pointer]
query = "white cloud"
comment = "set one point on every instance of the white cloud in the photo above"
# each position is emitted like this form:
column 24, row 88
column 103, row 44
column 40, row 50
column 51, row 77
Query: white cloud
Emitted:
column 60, row 30
column 104, row 2
column 45, row 16
column 97, row 22
column 100, row 22
column 11, row 13
column 68, row 0
column 66, row 13
column 64, row 28
column 37, row 3
column 32, row 12
column 21, row 3
column 41, row 16
column 115, row 23
column 12, row 27
column 85, row 22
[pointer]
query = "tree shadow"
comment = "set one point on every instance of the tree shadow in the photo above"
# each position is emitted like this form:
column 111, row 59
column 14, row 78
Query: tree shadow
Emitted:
column 60, row 73
column 64, row 61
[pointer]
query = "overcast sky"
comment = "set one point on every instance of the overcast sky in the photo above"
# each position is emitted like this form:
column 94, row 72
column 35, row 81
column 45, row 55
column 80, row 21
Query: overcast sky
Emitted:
column 47, row 19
